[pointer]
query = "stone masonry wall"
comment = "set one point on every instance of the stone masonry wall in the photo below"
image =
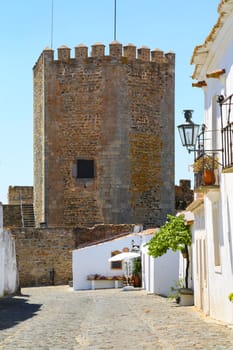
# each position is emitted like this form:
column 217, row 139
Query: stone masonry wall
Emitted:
column 38, row 145
column 184, row 195
column 41, row 251
column 18, row 194
column 11, row 216
column 117, row 110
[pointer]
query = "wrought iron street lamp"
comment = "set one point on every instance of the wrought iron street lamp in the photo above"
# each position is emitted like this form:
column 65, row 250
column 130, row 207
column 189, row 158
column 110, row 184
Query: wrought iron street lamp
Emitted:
column 188, row 131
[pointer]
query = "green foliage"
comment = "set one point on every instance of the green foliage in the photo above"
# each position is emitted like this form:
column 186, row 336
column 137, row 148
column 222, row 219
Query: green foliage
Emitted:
column 175, row 290
column 230, row 296
column 137, row 266
column 174, row 234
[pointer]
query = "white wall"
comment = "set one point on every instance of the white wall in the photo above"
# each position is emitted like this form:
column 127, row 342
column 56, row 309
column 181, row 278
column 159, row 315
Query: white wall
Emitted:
column 219, row 274
column 221, row 277
column 160, row 273
column 94, row 260
column 8, row 267
column 200, row 261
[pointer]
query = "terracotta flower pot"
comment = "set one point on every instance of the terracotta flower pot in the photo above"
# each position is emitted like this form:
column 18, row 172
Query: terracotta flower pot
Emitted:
column 208, row 177
column 136, row 281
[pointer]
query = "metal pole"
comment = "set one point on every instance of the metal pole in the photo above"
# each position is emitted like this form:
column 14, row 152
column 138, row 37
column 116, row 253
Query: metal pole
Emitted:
column 115, row 20
column 52, row 25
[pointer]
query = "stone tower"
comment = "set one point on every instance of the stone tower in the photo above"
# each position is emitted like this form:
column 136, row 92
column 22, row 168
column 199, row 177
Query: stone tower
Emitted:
column 104, row 136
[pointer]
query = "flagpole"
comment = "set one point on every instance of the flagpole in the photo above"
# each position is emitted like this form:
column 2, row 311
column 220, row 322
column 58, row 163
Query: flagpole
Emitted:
column 114, row 19
column 52, row 25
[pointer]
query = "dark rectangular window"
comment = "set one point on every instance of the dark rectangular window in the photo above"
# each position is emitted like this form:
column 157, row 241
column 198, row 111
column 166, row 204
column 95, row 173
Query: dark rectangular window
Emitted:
column 85, row 169
column 116, row 264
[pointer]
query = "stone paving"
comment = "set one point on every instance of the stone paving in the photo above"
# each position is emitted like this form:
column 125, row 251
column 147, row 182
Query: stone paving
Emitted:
column 45, row 318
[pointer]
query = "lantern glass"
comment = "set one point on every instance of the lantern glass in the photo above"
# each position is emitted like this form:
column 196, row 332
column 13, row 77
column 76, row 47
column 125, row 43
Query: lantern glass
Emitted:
column 188, row 134
column 188, row 131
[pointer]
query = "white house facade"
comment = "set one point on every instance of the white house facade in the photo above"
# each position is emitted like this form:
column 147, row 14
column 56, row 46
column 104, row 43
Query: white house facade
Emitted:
column 160, row 274
column 92, row 269
column 213, row 204
column 93, row 261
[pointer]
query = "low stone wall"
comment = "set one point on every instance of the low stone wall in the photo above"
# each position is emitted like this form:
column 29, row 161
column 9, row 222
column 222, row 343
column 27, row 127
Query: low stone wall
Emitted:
column 11, row 216
column 44, row 255
column 88, row 235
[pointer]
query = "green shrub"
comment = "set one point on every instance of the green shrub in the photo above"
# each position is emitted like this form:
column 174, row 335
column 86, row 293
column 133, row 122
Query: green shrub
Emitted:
column 174, row 234
column 230, row 296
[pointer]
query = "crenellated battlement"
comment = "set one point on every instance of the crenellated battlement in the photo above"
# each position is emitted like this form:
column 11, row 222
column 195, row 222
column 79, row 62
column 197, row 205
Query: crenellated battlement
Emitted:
column 106, row 111
column 128, row 52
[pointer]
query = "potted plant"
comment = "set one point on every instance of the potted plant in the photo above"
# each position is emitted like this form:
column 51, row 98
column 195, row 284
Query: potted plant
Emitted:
column 137, row 268
column 175, row 290
column 175, row 234
column 206, row 164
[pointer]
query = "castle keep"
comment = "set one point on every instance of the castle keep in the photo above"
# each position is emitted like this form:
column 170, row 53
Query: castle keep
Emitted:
column 103, row 136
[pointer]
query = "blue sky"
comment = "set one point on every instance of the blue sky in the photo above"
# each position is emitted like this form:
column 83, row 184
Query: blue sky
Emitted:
column 25, row 28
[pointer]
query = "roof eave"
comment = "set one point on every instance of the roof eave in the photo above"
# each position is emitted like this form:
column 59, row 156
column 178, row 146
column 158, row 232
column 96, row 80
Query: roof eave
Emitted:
column 201, row 52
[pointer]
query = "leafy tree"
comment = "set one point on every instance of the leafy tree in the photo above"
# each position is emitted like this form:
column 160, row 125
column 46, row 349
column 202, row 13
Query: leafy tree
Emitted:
column 174, row 234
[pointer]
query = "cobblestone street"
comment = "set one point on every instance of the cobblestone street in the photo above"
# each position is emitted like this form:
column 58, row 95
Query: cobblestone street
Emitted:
column 59, row 318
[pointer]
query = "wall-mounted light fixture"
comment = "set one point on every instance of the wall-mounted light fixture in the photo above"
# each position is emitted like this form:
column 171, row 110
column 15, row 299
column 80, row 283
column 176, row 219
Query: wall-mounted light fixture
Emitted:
column 190, row 136
column 188, row 131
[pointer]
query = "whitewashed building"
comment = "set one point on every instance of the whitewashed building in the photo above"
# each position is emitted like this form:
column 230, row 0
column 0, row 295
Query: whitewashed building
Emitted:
column 213, row 204
column 8, row 266
column 158, row 275
column 162, row 273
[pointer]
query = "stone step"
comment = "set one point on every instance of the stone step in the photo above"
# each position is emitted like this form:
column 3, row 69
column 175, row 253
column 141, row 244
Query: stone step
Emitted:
column 28, row 215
